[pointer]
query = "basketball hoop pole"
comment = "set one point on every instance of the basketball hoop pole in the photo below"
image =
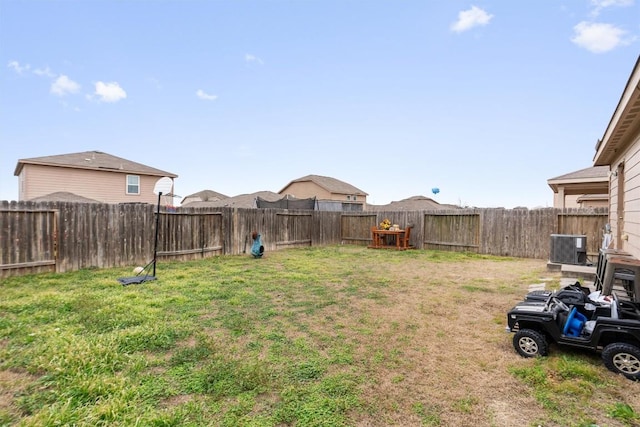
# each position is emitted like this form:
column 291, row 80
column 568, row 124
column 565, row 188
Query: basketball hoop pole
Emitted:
column 155, row 245
column 163, row 186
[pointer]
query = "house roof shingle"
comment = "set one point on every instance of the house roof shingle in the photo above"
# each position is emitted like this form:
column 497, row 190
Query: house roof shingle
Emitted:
column 205, row 196
column 63, row 196
column 240, row 201
column 415, row 203
column 593, row 180
column 332, row 185
column 590, row 173
column 623, row 125
column 94, row 160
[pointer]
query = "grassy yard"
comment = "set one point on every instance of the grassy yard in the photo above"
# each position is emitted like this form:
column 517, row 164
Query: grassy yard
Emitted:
column 336, row 336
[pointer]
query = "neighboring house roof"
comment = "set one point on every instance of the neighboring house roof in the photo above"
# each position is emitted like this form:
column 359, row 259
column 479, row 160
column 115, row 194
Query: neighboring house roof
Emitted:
column 332, row 185
column 623, row 126
column 203, row 196
column 63, row 196
column 586, row 176
column 415, row 203
column 241, row 201
column 93, row 160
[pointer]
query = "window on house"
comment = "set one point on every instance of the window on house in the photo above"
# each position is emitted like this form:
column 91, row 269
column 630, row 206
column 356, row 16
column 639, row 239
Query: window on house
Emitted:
column 355, row 197
column 133, row 184
column 348, row 197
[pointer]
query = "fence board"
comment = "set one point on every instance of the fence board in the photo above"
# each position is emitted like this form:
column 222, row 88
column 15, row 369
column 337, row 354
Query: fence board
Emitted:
column 590, row 225
column 356, row 228
column 19, row 252
column 451, row 231
column 293, row 228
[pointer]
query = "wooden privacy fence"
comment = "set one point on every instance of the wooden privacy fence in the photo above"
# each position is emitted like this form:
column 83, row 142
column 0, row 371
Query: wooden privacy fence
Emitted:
column 58, row 236
column 28, row 240
column 520, row 233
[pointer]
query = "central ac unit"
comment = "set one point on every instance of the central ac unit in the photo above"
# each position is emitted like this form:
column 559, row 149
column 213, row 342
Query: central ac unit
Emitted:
column 568, row 249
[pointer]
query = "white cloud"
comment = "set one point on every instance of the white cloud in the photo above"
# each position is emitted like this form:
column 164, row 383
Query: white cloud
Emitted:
column 110, row 92
column 598, row 5
column 45, row 72
column 202, row 95
column 467, row 19
column 63, row 85
column 597, row 37
column 17, row 67
column 252, row 58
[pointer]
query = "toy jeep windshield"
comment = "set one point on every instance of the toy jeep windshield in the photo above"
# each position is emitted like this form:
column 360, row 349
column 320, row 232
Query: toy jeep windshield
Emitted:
column 576, row 317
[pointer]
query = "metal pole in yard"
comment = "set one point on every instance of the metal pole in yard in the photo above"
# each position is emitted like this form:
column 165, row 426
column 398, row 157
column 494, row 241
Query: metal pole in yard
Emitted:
column 155, row 245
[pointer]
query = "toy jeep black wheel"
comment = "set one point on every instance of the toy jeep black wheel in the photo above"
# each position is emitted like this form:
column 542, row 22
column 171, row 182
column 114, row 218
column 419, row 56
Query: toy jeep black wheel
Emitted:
column 623, row 358
column 530, row 343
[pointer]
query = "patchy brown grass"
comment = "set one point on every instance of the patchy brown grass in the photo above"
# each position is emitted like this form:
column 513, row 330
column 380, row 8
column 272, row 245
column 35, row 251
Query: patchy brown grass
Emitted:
column 439, row 352
column 12, row 383
column 433, row 343
column 420, row 334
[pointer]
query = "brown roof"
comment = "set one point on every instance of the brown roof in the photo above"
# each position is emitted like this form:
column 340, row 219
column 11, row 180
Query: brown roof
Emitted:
column 205, row 196
column 95, row 160
column 622, row 129
column 63, row 196
column 586, row 173
column 241, row 201
column 589, row 180
column 415, row 203
column 332, row 185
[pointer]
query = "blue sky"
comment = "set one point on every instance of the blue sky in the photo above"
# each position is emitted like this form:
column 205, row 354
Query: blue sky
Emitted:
column 485, row 100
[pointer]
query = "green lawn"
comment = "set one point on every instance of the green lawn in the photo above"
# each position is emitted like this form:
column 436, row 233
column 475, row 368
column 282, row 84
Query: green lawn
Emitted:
column 334, row 336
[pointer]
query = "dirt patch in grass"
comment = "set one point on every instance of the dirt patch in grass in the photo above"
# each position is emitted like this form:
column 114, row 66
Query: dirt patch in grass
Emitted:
column 12, row 384
column 441, row 348
column 433, row 345
column 316, row 336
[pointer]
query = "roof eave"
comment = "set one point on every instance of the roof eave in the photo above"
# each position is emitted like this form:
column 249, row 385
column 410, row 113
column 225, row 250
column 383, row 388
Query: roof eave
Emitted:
column 624, row 120
column 578, row 180
column 321, row 185
column 21, row 164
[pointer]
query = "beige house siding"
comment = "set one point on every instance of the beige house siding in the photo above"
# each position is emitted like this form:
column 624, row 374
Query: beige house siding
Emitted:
column 613, row 209
column 558, row 200
column 304, row 190
column 619, row 148
column 630, row 231
column 594, row 204
column 569, row 201
column 626, row 232
column 574, row 201
column 104, row 186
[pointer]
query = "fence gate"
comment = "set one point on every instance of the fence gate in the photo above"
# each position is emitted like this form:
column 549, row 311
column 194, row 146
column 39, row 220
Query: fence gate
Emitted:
column 28, row 241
